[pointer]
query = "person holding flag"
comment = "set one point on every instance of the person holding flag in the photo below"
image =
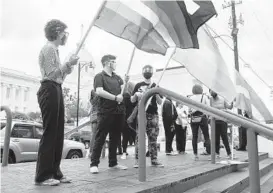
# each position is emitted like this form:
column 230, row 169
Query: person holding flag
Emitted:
column 110, row 113
column 152, row 128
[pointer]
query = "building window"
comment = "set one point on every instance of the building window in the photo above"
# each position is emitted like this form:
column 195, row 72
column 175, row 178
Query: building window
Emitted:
column 86, row 68
column 16, row 109
column 26, row 95
column 8, row 93
column 25, row 109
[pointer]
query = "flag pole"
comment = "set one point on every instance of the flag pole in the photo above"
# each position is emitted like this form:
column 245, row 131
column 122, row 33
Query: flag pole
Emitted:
column 160, row 78
column 128, row 69
column 90, row 26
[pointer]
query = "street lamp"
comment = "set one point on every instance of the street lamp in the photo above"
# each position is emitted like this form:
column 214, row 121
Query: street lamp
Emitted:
column 80, row 67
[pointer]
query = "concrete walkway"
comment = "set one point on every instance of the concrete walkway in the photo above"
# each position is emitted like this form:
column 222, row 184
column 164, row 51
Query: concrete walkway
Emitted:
column 20, row 177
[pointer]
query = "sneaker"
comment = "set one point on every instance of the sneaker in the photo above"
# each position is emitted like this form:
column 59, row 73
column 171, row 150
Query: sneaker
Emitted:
column 94, row 170
column 124, row 156
column 147, row 154
column 171, row 153
column 218, row 156
column 196, row 158
column 119, row 167
column 229, row 157
column 157, row 164
column 65, row 180
column 182, row 152
column 136, row 164
column 49, row 182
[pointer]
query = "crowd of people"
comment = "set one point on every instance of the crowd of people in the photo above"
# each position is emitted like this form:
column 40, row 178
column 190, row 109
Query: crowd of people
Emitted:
column 114, row 113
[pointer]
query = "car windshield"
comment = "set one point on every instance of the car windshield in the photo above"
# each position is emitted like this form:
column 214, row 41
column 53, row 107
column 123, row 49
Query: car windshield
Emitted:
column 3, row 125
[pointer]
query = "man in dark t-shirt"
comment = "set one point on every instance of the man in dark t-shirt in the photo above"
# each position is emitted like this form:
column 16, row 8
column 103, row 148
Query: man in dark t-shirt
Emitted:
column 110, row 113
column 152, row 128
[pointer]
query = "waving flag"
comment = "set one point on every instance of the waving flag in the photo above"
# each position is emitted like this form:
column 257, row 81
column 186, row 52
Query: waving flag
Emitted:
column 247, row 97
column 207, row 65
column 154, row 26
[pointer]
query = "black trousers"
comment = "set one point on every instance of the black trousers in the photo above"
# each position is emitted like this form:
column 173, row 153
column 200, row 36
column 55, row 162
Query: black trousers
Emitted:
column 221, row 131
column 181, row 137
column 112, row 124
column 50, row 99
column 125, row 137
column 169, row 135
column 205, row 130
column 242, row 138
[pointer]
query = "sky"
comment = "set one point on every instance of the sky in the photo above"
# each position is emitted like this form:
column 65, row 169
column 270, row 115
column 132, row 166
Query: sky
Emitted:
column 22, row 36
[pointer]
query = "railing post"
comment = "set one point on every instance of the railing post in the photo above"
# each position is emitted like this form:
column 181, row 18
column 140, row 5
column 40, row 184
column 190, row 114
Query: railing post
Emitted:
column 254, row 175
column 7, row 136
column 212, row 145
column 141, row 141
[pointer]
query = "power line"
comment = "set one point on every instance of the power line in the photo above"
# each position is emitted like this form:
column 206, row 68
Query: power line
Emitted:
column 240, row 57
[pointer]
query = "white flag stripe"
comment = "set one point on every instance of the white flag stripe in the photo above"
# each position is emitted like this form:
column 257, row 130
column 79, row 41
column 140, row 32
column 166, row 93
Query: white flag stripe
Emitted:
column 149, row 14
column 130, row 15
column 242, row 90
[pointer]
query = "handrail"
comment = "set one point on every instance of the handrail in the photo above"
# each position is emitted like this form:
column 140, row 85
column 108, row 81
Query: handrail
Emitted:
column 7, row 135
column 252, row 126
column 76, row 128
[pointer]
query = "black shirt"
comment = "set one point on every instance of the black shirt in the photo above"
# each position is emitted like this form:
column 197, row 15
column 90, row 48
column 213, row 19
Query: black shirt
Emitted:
column 169, row 112
column 142, row 87
column 111, row 84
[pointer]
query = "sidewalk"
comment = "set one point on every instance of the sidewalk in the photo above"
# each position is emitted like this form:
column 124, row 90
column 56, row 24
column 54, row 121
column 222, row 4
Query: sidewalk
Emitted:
column 20, row 177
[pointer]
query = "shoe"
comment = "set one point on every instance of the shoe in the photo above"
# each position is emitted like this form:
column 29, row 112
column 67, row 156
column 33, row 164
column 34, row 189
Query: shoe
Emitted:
column 49, row 182
column 218, row 156
column 94, row 170
column 157, row 164
column 65, row 180
column 196, row 158
column 171, row 153
column 119, row 167
column 241, row 149
column 147, row 154
column 136, row 164
column 205, row 153
column 182, row 152
column 124, row 156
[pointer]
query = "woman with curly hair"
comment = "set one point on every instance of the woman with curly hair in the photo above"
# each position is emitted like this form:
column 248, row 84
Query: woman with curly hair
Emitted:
column 199, row 120
column 50, row 99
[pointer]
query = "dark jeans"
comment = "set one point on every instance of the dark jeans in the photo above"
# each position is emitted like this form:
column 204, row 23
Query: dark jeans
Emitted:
column 242, row 137
column 181, row 137
column 169, row 134
column 112, row 124
column 205, row 130
column 221, row 131
column 125, row 137
column 50, row 99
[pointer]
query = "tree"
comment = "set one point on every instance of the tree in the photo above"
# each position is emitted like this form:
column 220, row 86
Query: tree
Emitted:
column 70, row 103
column 35, row 115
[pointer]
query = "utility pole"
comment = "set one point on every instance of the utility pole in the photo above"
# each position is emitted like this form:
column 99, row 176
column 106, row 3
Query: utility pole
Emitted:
column 233, row 25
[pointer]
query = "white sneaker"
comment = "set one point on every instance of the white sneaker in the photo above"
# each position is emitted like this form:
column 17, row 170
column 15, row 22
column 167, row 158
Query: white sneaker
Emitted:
column 124, row 156
column 119, row 167
column 136, row 164
column 94, row 170
column 172, row 153
column 196, row 158
column 218, row 156
column 49, row 182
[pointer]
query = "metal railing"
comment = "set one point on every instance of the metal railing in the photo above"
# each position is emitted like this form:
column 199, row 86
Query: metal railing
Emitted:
column 252, row 126
column 5, row 155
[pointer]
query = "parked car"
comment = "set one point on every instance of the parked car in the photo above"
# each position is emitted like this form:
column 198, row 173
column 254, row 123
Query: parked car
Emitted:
column 82, row 136
column 24, row 142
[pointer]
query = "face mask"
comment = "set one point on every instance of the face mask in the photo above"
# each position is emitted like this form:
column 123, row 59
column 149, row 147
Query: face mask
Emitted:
column 147, row 75
column 63, row 40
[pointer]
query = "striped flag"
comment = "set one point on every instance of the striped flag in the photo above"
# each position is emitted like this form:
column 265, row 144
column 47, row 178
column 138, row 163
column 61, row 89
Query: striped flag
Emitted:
column 207, row 65
column 247, row 97
column 154, row 26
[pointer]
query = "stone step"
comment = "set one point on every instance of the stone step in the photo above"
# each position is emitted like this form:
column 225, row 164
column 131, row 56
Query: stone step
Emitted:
column 233, row 182
column 266, row 184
